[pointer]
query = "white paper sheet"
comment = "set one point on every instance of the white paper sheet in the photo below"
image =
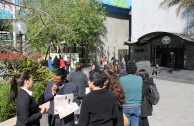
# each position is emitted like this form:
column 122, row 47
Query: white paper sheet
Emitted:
column 63, row 105
column 45, row 105
column 87, row 90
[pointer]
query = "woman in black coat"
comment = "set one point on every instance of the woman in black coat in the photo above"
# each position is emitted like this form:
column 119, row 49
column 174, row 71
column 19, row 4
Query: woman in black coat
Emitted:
column 146, row 106
column 28, row 111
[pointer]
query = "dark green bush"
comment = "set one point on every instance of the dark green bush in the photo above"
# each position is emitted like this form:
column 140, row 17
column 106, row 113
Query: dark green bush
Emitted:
column 39, row 72
column 41, row 76
column 38, row 92
column 7, row 108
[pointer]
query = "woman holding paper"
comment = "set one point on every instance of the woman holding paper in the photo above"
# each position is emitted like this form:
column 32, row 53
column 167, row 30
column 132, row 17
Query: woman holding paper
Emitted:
column 28, row 111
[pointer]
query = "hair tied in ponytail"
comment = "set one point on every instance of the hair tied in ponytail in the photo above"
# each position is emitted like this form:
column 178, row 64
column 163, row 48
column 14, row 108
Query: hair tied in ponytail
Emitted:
column 16, row 76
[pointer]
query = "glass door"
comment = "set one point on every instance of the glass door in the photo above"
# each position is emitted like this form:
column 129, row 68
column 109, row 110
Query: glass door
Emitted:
column 171, row 58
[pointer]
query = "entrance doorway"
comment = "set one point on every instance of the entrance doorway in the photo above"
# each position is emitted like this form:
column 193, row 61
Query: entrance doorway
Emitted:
column 165, row 56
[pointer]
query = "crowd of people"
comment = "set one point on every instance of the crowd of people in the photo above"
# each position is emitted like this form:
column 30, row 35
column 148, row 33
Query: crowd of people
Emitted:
column 60, row 62
column 117, row 90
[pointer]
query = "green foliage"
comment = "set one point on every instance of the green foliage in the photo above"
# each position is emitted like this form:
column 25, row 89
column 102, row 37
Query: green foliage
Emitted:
column 39, row 72
column 71, row 20
column 7, row 108
column 41, row 76
column 15, row 66
column 86, row 20
column 38, row 92
column 6, row 25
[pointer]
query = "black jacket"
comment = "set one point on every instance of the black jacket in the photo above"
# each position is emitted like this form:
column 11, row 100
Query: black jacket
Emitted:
column 81, row 80
column 146, row 106
column 27, row 110
column 99, row 108
column 56, row 63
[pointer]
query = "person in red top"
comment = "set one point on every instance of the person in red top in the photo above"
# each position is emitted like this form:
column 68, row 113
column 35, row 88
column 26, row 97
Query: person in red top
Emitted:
column 62, row 63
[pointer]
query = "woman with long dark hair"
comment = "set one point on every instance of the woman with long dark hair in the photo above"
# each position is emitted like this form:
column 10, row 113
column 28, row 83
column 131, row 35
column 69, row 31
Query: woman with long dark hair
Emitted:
column 28, row 112
column 146, row 106
column 115, row 87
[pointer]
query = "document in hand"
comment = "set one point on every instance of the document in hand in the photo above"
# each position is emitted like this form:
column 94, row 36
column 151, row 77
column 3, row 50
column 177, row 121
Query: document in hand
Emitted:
column 63, row 105
column 87, row 90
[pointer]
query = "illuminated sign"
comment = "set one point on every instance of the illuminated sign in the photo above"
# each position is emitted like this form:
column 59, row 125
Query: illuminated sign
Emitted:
column 118, row 3
column 166, row 40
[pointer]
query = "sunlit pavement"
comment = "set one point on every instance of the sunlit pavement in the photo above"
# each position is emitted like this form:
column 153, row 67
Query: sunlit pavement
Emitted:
column 170, row 74
column 175, row 107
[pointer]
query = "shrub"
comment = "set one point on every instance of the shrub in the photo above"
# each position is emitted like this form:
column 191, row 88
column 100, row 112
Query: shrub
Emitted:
column 14, row 64
column 7, row 108
column 38, row 92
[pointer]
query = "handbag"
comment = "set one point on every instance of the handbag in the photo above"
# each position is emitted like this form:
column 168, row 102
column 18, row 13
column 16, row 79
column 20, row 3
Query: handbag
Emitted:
column 126, row 121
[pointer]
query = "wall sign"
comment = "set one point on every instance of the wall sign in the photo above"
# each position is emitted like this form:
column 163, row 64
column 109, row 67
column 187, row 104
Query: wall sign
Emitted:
column 166, row 40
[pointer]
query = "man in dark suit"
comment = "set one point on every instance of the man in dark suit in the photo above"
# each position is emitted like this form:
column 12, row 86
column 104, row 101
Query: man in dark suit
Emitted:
column 60, row 86
column 80, row 79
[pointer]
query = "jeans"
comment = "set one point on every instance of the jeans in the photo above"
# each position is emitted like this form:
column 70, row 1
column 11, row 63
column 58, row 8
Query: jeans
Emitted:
column 133, row 115
column 67, row 68
column 50, row 68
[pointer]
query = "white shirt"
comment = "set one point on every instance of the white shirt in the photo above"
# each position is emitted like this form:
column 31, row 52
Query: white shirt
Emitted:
column 28, row 91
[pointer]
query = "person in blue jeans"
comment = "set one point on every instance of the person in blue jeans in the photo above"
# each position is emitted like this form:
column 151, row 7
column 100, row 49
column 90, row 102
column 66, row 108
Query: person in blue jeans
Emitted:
column 132, row 86
column 122, row 66
column 50, row 63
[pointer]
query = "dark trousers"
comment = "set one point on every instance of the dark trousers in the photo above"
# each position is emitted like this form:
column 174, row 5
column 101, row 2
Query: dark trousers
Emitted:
column 155, row 72
column 143, row 121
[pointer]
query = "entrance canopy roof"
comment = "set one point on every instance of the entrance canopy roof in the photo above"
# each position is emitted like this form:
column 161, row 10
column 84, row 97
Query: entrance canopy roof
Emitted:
column 150, row 36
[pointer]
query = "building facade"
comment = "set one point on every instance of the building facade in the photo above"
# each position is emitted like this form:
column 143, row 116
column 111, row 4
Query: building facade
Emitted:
column 118, row 29
column 160, row 36
column 117, row 32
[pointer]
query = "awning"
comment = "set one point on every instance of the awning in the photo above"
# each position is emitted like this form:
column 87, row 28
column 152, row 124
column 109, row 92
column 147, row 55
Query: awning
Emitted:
column 150, row 36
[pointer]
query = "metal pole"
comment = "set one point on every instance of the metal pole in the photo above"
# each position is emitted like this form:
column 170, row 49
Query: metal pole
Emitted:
column 14, row 17
column 21, row 43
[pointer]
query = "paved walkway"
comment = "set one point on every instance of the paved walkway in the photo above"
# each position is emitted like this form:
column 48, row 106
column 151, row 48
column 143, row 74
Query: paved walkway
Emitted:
column 184, row 76
column 176, row 105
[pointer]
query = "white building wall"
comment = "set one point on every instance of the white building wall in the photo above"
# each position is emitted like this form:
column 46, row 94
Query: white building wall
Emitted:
column 117, row 34
column 148, row 16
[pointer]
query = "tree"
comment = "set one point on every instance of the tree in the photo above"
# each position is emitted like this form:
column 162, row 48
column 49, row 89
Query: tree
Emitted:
column 182, row 4
column 72, row 21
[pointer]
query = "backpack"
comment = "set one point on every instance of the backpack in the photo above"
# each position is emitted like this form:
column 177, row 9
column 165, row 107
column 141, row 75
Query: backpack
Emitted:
column 153, row 96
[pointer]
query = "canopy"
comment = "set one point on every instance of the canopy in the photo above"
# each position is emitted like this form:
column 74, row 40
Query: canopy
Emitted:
column 121, row 7
column 147, row 37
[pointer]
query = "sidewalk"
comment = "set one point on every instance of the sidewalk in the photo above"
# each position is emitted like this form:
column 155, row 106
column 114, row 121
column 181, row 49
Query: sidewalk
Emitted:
column 170, row 74
column 175, row 107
